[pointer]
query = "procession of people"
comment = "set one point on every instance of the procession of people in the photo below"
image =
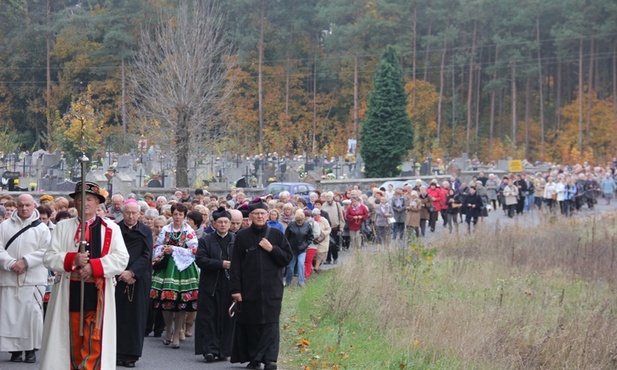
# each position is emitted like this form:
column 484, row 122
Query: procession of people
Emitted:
column 216, row 266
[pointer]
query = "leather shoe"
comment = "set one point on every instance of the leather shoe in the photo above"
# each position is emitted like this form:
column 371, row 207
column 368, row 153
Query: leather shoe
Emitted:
column 30, row 357
column 17, row 356
column 270, row 366
column 253, row 365
column 209, row 357
column 129, row 364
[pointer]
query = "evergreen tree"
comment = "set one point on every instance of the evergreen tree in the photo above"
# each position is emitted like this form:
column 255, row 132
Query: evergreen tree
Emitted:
column 387, row 133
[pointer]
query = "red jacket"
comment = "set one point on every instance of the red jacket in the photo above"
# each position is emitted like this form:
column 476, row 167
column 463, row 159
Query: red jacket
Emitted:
column 439, row 199
column 353, row 223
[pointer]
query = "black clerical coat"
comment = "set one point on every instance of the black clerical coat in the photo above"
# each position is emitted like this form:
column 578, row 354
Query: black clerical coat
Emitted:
column 258, row 276
column 213, row 326
column 132, row 300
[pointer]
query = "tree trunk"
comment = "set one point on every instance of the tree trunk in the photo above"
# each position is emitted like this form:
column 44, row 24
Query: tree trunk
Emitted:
column 355, row 98
column 287, row 77
column 590, row 90
column 540, row 88
column 48, row 35
column 427, row 52
column 182, row 146
column 580, row 97
column 470, row 84
column 614, row 94
column 123, row 103
column 260, row 98
column 453, row 130
column 513, row 105
column 314, row 146
column 527, row 114
column 558, row 96
column 501, row 115
column 478, row 87
column 441, row 83
column 414, row 23
column 491, row 129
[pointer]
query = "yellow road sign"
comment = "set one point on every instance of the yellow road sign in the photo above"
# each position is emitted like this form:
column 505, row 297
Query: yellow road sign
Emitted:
column 516, row 165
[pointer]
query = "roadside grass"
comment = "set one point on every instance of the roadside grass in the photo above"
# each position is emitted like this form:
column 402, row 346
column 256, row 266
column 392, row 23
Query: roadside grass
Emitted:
column 501, row 298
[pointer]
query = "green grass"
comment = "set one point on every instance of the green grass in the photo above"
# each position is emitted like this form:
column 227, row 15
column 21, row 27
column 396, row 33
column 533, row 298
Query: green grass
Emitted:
column 519, row 298
column 314, row 339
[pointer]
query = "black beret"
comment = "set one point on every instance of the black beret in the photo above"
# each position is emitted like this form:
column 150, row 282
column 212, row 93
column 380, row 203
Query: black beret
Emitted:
column 221, row 212
column 245, row 210
column 257, row 203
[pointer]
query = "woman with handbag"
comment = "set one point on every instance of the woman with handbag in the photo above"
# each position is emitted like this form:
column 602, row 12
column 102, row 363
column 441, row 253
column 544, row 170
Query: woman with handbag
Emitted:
column 175, row 281
column 454, row 201
column 510, row 194
column 426, row 203
column 434, row 191
column 399, row 203
column 383, row 219
column 300, row 235
column 322, row 244
column 412, row 221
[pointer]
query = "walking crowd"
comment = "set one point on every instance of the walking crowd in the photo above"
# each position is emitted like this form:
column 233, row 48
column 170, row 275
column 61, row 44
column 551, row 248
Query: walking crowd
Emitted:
column 215, row 267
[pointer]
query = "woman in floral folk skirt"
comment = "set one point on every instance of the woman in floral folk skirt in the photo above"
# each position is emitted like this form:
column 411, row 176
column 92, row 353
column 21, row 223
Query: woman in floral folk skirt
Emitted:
column 175, row 281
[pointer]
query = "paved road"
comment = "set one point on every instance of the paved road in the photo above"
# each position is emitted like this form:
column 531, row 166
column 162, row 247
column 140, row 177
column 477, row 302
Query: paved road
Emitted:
column 158, row 356
column 155, row 356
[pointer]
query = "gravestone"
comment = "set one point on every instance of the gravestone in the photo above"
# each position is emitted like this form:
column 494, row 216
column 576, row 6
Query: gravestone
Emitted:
column 503, row 165
column 407, row 166
column 66, row 186
column 459, row 163
column 45, row 184
column 51, row 160
column 125, row 161
column 122, row 183
column 97, row 176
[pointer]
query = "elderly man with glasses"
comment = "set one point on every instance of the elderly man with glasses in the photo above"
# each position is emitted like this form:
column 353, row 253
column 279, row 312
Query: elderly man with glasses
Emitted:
column 256, row 284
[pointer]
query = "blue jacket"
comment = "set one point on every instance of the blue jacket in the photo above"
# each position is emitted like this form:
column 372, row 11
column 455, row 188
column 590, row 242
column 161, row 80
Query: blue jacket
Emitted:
column 608, row 185
column 276, row 225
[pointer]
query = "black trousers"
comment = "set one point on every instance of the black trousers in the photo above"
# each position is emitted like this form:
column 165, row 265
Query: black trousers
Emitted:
column 334, row 247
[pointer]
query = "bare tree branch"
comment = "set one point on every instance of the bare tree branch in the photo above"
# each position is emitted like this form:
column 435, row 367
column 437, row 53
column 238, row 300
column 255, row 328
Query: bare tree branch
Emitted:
column 180, row 76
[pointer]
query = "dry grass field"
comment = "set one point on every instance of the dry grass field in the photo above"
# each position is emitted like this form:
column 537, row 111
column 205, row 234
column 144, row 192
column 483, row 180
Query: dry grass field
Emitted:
column 515, row 297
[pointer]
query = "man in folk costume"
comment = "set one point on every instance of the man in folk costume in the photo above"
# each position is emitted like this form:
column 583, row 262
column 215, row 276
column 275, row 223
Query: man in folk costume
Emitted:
column 214, row 328
column 133, row 289
column 23, row 241
column 256, row 282
column 105, row 257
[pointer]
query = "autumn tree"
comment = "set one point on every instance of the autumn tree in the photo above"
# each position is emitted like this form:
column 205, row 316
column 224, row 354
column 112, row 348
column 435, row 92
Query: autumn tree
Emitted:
column 386, row 134
column 79, row 128
column 179, row 77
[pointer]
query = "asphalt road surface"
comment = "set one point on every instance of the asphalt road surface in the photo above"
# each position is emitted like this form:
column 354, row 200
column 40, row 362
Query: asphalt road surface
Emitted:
column 158, row 356
column 155, row 356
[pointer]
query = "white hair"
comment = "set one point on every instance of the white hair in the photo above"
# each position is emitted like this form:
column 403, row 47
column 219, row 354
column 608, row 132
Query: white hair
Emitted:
column 151, row 213
column 143, row 206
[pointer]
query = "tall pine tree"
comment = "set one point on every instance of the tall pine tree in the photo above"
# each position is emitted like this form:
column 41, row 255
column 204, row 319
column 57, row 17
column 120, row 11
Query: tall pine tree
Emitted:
column 387, row 133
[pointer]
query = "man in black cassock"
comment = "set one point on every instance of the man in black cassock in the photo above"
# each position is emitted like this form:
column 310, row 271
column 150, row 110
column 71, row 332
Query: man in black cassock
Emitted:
column 213, row 326
column 259, row 256
column 133, row 289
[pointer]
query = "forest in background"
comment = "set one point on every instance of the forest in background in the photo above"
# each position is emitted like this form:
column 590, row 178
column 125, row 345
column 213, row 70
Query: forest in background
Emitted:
column 533, row 79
